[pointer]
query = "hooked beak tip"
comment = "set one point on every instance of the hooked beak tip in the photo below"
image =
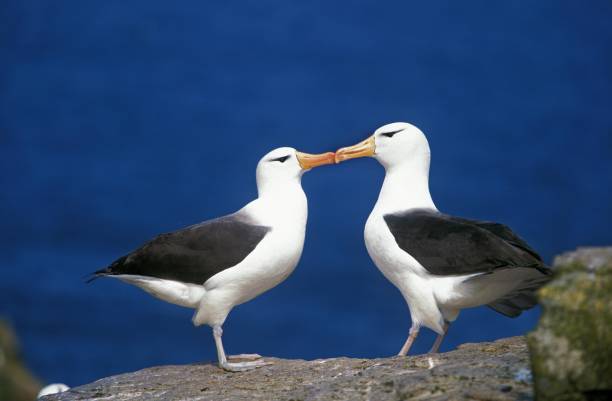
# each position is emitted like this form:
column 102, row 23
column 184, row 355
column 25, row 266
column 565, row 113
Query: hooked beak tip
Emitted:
column 366, row 148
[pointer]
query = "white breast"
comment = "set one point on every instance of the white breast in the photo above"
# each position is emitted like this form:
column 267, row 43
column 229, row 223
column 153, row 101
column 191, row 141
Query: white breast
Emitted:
column 270, row 263
column 405, row 272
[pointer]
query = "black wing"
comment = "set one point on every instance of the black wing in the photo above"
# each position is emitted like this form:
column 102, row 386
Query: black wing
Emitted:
column 447, row 245
column 193, row 254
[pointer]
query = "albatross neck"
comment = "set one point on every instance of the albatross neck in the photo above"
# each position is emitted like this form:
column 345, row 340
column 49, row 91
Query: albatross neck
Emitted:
column 406, row 186
column 283, row 201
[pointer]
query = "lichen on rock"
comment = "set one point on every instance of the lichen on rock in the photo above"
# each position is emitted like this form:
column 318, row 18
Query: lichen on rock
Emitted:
column 16, row 382
column 572, row 345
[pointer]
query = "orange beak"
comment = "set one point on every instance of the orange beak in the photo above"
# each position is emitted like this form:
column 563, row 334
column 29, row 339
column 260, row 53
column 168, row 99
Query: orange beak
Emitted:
column 362, row 149
column 308, row 161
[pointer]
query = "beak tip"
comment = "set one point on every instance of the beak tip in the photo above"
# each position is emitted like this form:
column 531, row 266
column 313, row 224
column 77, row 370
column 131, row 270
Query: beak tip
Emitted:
column 362, row 149
column 309, row 161
column 339, row 156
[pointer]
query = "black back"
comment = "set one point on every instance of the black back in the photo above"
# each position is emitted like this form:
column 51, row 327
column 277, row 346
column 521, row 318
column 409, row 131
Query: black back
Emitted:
column 193, row 254
column 447, row 245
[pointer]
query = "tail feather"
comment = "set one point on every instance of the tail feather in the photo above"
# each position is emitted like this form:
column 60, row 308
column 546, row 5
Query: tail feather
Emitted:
column 505, row 309
column 522, row 298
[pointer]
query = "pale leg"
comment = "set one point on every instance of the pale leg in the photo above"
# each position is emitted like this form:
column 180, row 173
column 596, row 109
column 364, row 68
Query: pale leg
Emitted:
column 436, row 345
column 414, row 331
column 233, row 366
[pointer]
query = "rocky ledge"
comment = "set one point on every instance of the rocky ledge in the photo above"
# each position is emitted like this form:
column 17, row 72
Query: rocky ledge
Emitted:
column 485, row 371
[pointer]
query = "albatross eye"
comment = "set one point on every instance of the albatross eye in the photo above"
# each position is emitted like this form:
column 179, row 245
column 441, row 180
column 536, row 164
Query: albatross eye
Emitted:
column 281, row 159
column 390, row 134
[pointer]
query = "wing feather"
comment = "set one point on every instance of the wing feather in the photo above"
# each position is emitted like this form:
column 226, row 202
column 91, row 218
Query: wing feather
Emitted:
column 193, row 254
column 447, row 245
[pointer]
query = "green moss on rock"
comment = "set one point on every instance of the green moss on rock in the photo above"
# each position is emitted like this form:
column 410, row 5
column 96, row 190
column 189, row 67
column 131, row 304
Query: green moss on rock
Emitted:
column 572, row 346
column 16, row 382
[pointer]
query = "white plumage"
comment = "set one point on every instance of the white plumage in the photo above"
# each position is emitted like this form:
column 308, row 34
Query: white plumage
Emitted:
column 435, row 300
column 271, row 228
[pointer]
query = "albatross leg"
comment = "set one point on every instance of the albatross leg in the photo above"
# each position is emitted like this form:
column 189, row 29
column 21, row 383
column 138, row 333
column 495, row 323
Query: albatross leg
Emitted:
column 414, row 331
column 436, row 345
column 233, row 366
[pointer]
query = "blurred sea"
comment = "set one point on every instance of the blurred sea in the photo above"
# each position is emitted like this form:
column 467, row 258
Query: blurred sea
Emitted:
column 120, row 120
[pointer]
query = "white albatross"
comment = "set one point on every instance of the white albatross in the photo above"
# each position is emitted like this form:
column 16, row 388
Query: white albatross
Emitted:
column 440, row 263
column 218, row 264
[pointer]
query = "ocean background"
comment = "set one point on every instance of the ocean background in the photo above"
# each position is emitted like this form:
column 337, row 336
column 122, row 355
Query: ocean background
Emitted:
column 121, row 120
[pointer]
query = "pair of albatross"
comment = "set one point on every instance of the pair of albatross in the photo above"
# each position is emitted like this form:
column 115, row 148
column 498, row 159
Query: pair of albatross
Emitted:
column 440, row 263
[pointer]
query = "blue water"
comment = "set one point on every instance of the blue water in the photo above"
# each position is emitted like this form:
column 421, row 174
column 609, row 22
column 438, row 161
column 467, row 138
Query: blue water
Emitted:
column 120, row 120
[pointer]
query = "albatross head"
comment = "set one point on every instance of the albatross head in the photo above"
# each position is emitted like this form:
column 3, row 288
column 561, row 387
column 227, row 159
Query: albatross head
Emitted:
column 392, row 145
column 283, row 165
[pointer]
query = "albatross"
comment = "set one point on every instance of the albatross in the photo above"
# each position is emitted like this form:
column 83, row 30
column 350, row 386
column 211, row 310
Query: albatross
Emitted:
column 440, row 263
column 218, row 264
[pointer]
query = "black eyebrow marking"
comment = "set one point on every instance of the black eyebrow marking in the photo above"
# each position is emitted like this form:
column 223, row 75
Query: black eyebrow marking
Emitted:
column 390, row 134
column 280, row 159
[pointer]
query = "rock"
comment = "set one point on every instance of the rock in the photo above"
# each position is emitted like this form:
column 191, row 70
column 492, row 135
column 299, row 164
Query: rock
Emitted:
column 16, row 382
column 484, row 371
column 572, row 345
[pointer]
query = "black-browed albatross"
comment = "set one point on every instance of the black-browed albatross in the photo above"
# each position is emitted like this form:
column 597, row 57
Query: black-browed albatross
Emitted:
column 440, row 263
column 218, row 264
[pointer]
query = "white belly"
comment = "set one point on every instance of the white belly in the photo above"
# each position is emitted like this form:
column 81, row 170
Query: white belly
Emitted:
column 272, row 261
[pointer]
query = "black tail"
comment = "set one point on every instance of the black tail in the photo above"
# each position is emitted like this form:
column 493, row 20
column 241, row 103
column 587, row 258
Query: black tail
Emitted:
column 523, row 298
column 513, row 305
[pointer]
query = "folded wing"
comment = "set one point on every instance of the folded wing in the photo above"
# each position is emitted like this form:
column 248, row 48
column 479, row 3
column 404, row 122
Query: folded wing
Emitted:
column 447, row 245
column 193, row 254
